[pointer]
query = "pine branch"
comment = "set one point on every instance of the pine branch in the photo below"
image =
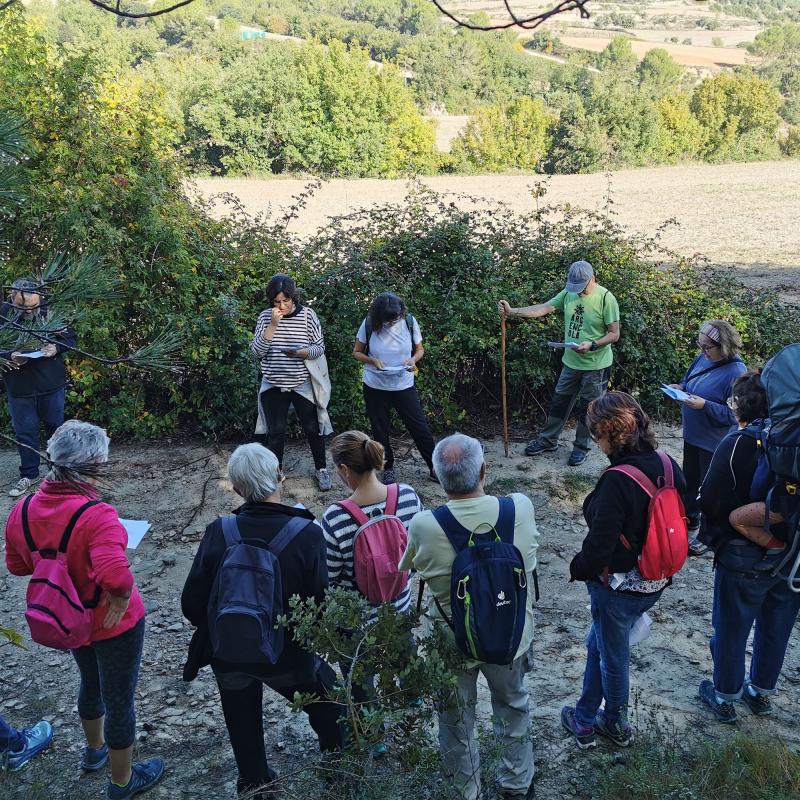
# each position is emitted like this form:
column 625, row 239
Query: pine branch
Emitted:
column 526, row 23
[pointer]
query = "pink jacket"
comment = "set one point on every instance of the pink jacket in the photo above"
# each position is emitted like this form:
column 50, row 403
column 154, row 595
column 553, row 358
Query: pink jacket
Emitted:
column 96, row 552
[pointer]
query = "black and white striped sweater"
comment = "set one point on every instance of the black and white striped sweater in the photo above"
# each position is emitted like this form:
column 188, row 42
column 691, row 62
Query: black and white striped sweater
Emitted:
column 340, row 528
column 299, row 329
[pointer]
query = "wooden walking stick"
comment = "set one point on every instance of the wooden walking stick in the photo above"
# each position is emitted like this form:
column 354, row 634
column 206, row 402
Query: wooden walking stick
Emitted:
column 503, row 380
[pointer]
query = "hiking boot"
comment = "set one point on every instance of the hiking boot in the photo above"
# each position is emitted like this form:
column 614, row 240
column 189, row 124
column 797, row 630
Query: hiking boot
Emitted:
column 619, row 732
column 534, row 447
column 522, row 794
column 583, row 734
column 723, row 710
column 37, row 737
column 388, row 477
column 269, row 790
column 758, row 703
column 22, row 486
column 577, row 457
column 144, row 775
column 696, row 547
column 94, row 758
column 323, row 480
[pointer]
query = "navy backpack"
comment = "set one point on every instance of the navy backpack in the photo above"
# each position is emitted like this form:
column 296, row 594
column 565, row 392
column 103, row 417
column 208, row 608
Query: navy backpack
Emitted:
column 488, row 587
column 247, row 597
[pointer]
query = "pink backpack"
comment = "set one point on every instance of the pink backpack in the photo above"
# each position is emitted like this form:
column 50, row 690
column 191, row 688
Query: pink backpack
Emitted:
column 378, row 546
column 56, row 615
column 666, row 542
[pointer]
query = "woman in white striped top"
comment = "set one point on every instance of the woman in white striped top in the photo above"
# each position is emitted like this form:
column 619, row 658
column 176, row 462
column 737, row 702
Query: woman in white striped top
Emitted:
column 286, row 335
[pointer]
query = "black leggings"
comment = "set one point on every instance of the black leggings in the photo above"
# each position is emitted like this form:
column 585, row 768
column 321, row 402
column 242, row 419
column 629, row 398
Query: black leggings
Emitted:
column 696, row 462
column 241, row 697
column 379, row 404
column 276, row 409
column 109, row 672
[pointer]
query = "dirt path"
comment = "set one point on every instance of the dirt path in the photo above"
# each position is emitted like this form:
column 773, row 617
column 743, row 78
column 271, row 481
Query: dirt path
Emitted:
column 740, row 215
column 180, row 488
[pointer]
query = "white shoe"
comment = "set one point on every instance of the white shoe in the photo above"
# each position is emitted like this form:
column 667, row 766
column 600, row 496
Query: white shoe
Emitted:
column 22, row 486
column 323, row 480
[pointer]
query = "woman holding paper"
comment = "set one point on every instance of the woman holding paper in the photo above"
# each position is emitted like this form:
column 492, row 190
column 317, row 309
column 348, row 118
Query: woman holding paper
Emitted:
column 705, row 412
column 617, row 513
column 288, row 341
column 99, row 570
column 389, row 345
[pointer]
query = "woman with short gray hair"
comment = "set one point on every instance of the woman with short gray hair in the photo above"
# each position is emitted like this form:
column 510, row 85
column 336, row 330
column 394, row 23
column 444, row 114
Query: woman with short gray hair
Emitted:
column 95, row 551
column 255, row 475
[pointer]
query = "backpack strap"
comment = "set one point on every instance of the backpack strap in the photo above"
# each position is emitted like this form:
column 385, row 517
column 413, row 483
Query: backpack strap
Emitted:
column 286, row 534
column 505, row 519
column 367, row 333
column 392, row 499
column 355, row 511
column 669, row 474
column 230, row 530
column 452, row 528
column 638, row 476
column 66, row 536
column 410, row 326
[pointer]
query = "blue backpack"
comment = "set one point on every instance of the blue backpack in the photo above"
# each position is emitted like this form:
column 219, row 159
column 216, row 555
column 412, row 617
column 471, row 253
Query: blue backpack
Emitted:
column 247, row 596
column 488, row 587
column 763, row 477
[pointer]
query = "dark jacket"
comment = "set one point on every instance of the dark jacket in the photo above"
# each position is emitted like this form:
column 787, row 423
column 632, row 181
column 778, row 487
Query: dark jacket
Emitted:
column 38, row 375
column 618, row 506
column 304, row 572
column 726, row 487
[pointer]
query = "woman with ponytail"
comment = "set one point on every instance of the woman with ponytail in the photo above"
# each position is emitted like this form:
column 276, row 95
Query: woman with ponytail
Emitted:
column 617, row 513
column 359, row 460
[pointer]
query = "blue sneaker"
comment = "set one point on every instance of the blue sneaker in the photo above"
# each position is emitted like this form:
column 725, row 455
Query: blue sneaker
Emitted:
column 759, row 703
column 583, row 734
column 723, row 710
column 577, row 457
column 619, row 732
column 144, row 775
column 37, row 737
column 94, row 758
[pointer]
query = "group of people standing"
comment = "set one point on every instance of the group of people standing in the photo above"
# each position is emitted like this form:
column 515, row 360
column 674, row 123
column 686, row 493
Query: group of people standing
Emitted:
column 720, row 462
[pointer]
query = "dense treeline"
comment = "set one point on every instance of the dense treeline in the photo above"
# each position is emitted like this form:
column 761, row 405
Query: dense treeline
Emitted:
column 350, row 100
column 104, row 178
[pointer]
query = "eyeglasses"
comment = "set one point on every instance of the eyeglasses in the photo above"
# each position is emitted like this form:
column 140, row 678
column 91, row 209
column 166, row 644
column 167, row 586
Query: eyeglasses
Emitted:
column 706, row 347
column 281, row 477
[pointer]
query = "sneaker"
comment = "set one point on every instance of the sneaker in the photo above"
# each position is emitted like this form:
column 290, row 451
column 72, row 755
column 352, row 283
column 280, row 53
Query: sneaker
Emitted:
column 22, row 486
column 94, row 758
column 388, row 477
column 583, row 734
column 696, row 547
column 144, row 775
column 323, row 480
column 758, row 703
column 723, row 710
column 37, row 737
column 535, row 447
column 619, row 732
column 268, row 790
column 577, row 457
column 513, row 794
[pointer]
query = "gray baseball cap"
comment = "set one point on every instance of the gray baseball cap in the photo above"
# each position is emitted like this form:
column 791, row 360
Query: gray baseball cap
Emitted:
column 580, row 273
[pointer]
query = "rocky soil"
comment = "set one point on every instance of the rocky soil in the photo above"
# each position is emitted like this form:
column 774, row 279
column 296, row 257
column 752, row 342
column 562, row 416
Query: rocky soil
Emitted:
column 180, row 487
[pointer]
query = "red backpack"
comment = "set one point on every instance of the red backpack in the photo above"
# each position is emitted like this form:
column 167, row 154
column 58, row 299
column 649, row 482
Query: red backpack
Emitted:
column 666, row 543
column 56, row 615
column 378, row 546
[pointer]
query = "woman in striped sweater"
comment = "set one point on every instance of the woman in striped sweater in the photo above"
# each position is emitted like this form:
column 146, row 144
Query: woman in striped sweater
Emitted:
column 287, row 334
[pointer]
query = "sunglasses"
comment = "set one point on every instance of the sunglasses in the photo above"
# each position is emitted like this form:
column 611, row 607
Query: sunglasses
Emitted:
column 706, row 347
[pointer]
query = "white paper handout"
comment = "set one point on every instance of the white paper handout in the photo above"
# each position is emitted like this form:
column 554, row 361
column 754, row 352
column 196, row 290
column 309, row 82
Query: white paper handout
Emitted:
column 640, row 629
column 136, row 529
column 33, row 354
column 563, row 345
column 675, row 394
column 393, row 369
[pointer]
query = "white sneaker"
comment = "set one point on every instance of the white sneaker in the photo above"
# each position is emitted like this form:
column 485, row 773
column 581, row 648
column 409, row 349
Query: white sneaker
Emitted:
column 323, row 480
column 22, row 486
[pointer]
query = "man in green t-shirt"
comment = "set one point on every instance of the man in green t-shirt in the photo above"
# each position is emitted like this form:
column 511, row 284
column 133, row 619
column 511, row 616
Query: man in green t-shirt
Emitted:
column 591, row 325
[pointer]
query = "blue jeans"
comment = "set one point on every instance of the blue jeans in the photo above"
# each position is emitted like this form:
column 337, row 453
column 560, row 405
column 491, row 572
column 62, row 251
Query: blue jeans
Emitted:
column 27, row 413
column 607, row 674
column 739, row 601
column 10, row 738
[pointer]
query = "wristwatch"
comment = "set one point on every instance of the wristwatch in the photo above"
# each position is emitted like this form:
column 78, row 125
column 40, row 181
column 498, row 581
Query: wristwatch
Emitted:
column 593, row 346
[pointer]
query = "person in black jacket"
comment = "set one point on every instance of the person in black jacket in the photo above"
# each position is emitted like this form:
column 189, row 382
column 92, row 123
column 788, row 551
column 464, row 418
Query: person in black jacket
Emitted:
column 255, row 475
column 35, row 386
column 617, row 515
column 745, row 591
